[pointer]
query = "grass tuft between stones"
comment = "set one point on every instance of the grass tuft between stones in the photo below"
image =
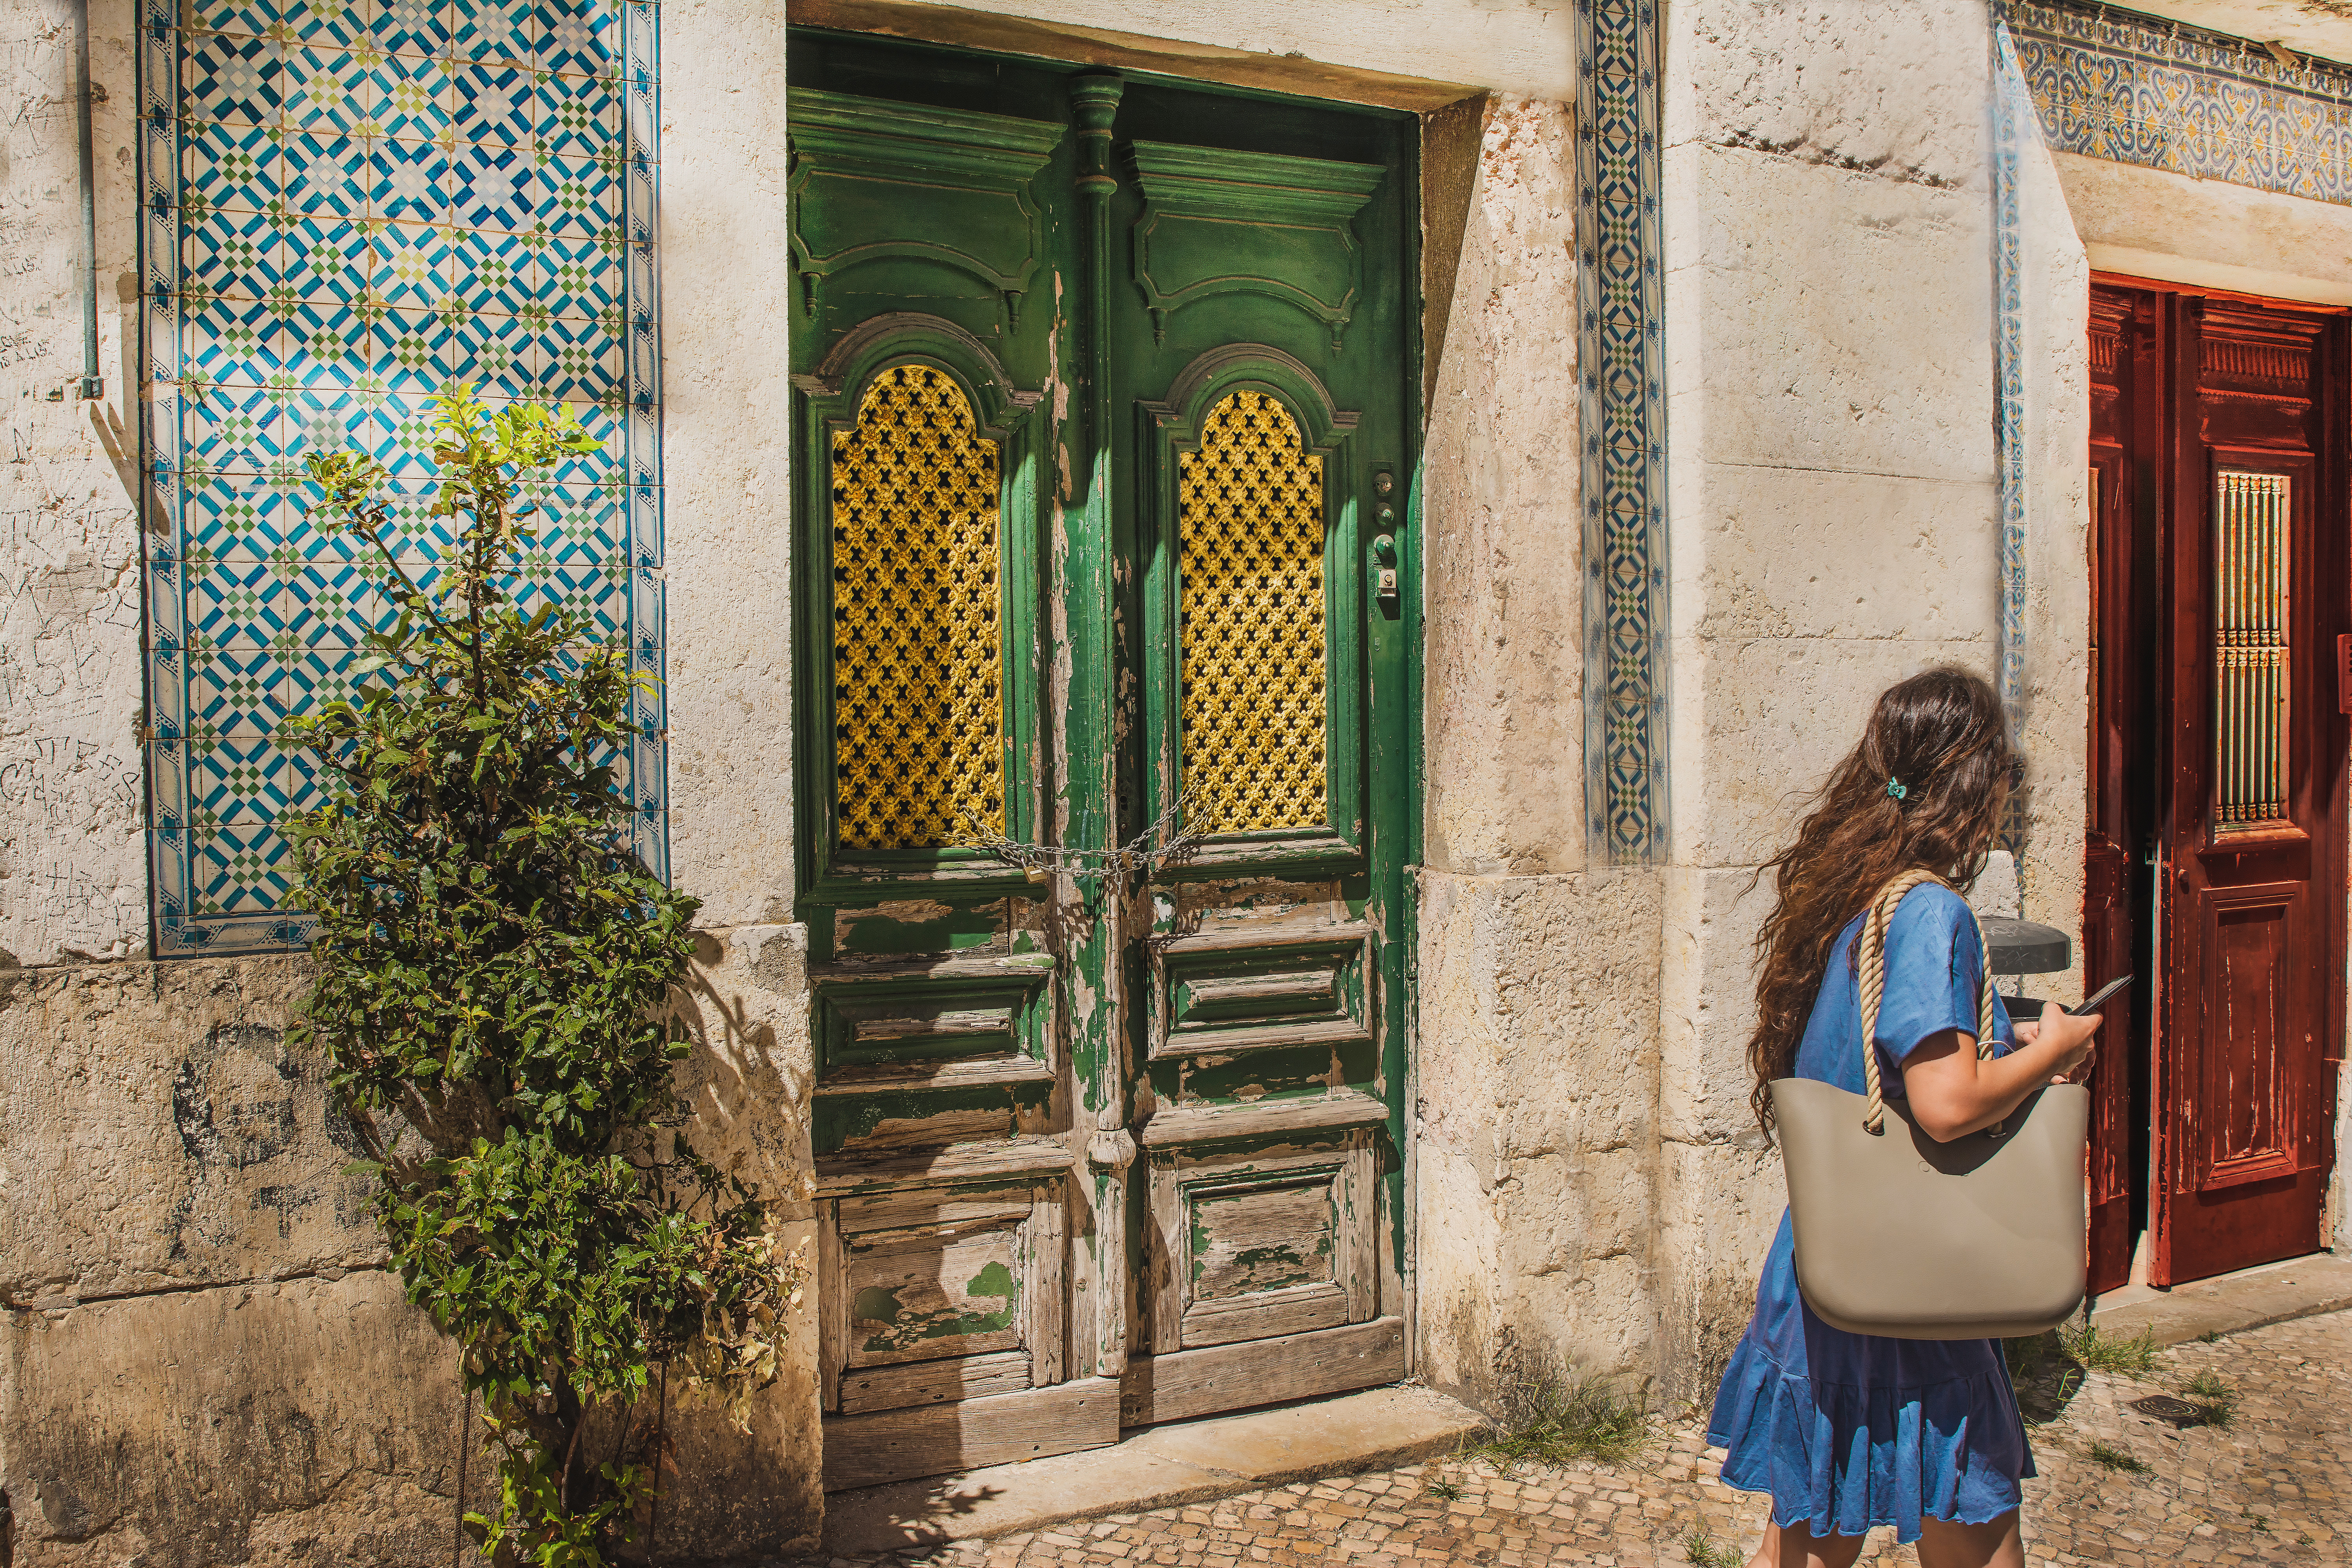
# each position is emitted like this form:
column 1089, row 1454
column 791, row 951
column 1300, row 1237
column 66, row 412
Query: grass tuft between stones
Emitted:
column 2215, row 1397
column 1701, row 1549
column 2116, row 1458
column 2095, row 1351
column 1556, row 1415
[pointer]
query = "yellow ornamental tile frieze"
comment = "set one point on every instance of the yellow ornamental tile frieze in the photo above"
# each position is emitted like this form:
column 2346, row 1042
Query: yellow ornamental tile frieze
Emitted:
column 918, row 708
column 1250, row 509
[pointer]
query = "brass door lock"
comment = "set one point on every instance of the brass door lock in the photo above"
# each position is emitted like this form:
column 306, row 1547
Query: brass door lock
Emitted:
column 1384, row 568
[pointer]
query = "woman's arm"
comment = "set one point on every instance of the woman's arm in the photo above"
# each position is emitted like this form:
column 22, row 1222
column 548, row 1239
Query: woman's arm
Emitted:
column 1953, row 1092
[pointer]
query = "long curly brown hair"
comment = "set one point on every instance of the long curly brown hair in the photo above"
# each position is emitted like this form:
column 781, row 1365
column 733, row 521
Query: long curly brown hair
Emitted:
column 1942, row 739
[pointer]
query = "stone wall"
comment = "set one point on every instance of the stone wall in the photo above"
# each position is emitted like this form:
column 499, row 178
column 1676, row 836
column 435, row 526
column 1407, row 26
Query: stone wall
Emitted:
column 203, row 1353
column 204, row 1356
column 1829, row 311
column 1535, row 1028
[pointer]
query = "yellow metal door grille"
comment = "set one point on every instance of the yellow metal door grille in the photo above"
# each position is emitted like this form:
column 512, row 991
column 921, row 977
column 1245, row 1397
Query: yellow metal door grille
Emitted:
column 1250, row 508
column 916, row 649
column 2249, row 652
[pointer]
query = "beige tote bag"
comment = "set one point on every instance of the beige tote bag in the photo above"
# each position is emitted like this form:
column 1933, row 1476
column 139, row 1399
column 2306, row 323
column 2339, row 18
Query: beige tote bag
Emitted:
column 1900, row 1236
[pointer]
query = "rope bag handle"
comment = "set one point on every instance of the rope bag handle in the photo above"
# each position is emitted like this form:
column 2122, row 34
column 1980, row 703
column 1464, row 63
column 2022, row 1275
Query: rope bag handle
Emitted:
column 1873, row 959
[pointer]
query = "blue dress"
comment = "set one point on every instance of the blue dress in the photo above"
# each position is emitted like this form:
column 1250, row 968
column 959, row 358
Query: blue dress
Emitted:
column 1848, row 1431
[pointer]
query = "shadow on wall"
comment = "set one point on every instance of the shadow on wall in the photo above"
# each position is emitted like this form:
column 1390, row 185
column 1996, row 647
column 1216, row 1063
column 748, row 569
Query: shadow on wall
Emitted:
column 206, row 1359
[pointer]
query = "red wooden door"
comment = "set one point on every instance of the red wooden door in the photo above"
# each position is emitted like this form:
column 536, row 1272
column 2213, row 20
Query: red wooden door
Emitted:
column 2126, row 432
column 2249, row 1010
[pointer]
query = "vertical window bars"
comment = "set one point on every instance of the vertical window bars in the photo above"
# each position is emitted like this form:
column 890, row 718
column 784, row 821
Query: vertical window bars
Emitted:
column 2250, row 651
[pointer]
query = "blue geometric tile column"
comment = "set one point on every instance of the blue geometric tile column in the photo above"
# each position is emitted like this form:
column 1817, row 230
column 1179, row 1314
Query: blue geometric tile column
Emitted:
column 1621, row 413
column 346, row 206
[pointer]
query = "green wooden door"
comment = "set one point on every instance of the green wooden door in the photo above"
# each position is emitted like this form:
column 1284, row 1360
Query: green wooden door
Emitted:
column 1101, row 391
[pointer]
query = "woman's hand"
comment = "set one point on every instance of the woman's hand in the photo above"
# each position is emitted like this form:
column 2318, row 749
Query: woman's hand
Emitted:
column 2068, row 1034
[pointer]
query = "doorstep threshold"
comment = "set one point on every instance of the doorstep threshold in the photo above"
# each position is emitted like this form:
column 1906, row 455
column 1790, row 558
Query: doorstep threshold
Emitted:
column 2228, row 1303
column 1153, row 1467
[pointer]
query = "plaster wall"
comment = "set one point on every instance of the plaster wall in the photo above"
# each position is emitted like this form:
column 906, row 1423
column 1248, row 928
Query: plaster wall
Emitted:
column 2307, row 26
column 1414, row 54
column 2153, row 223
column 1537, row 997
column 203, row 1353
column 2055, row 722
column 72, row 875
column 1830, row 464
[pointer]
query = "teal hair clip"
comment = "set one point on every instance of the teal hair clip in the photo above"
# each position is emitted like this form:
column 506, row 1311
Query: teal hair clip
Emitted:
column 1895, row 790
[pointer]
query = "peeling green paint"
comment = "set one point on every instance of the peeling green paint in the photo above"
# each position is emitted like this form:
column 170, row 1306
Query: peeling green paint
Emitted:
column 889, row 1328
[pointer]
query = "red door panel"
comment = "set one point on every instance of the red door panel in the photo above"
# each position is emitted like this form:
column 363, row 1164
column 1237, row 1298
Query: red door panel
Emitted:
column 2252, row 533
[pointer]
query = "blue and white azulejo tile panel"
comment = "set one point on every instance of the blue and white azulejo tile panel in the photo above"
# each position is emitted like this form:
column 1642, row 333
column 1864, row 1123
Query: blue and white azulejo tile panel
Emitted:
column 347, row 205
column 2108, row 83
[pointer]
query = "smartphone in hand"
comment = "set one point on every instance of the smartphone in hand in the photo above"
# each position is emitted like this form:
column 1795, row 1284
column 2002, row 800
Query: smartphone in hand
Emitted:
column 2094, row 1003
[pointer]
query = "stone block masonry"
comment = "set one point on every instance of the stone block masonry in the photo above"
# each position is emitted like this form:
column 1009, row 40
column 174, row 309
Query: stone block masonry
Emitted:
column 202, row 1356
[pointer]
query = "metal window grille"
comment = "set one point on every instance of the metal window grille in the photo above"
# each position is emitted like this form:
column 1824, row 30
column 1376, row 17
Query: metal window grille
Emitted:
column 2250, row 650
column 1250, row 507
column 917, row 656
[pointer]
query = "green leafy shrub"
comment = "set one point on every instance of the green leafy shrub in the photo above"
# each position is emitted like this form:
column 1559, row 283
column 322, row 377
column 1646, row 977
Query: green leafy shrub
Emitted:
column 494, row 970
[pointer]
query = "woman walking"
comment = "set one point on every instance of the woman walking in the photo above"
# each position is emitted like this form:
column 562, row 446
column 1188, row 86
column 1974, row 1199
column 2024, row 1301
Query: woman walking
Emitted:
column 1848, row 1431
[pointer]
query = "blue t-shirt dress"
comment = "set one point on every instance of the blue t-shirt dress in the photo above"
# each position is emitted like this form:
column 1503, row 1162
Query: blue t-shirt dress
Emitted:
column 1848, row 1431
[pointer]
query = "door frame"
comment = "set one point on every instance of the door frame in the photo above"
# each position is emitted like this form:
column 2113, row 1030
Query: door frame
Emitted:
column 1096, row 1155
column 2171, row 461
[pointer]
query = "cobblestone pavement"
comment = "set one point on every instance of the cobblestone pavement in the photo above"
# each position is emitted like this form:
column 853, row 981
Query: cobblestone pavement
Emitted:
column 2270, row 1487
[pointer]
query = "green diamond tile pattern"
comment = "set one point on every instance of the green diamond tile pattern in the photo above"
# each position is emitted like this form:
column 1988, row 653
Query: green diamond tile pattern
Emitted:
column 347, row 205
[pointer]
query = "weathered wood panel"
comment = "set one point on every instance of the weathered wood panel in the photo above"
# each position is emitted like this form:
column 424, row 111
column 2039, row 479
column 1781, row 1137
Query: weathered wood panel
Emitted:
column 934, row 1382
column 840, row 1174
column 1267, row 1314
column 1247, row 1239
column 1199, row 1124
column 930, row 1440
column 1177, row 1386
column 1048, row 1245
column 922, row 1296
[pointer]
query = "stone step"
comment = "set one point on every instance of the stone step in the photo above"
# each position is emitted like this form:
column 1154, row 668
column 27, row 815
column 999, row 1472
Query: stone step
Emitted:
column 1154, row 1467
column 2272, row 1293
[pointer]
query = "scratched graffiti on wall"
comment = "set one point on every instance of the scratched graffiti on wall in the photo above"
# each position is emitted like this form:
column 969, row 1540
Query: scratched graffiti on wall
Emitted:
column 72, row 878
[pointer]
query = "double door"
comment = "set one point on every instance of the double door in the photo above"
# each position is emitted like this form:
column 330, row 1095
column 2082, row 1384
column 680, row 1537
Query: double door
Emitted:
column 1101, row 388
column 2217, row 774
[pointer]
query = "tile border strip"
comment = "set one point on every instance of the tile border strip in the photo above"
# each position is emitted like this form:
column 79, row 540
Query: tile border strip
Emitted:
column 1621, row 417
column 2110, row 83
